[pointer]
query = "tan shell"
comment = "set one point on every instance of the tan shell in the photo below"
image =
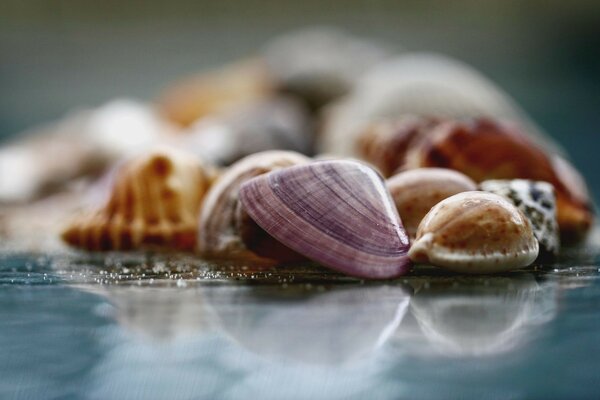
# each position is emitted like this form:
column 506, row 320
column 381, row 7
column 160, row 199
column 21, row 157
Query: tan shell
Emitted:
column 225, row 230
column 484, row 149
column 414, row 192
column 154, row 203
column 475, row 232
column 215, row 91
column 385, row 143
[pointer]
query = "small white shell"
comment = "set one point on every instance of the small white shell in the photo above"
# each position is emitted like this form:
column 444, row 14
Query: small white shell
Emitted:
column 475, row 232
column 536, row 200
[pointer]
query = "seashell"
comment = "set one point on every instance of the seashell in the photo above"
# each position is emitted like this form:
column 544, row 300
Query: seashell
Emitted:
column 337, row 213
column 215, row 91
column 35, row 166
column 483, row 149
column 320, row 64
column 385, row 143
column 154, row 203
column 225, row 231
column 280, row 123
column 421, row 84
column 475, row 232
column 537, row 202
column 414, row 192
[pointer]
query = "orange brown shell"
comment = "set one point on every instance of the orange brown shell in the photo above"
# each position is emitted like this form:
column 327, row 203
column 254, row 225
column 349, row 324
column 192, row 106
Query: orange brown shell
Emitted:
column 483, row 149
column 385, row 143
column 153, row 204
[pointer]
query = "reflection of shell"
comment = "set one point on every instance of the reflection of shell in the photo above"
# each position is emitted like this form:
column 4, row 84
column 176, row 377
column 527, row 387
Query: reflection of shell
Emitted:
column 320, row 64
column 385, row 143
column 337, row 213
column 340, row 326
column 537, row 202
column 154, row 203
column 475, row 232
column 484, row 150
column 274, row 123
column 428, row 85
column 223, row 222
column 414, row 192
column 215, row 91
column 471, row 317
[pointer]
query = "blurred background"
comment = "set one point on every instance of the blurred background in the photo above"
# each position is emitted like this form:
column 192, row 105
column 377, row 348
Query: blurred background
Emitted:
column 65, row 54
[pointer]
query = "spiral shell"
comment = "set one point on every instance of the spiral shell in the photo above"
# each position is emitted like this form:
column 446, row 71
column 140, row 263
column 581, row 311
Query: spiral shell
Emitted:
column 414, row 192
column 484, row 149
column 225, row 230
column 154, row 203
column 475, row 232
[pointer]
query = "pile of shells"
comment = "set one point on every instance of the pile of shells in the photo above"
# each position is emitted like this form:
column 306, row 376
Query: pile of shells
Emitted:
column 426, row 161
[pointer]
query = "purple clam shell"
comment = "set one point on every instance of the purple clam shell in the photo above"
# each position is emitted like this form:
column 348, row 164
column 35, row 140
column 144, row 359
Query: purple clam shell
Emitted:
column 338, row 213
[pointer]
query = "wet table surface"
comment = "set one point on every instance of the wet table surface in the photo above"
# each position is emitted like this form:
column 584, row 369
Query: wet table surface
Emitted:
column 153, row 327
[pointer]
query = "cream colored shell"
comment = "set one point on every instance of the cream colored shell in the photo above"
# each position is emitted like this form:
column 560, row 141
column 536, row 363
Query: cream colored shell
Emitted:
column 414, row 192
column 154, row 203
column 222, row 220
column 475, row 232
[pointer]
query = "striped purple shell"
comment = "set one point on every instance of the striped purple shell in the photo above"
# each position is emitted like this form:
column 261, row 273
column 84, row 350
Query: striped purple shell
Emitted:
column 338, row 213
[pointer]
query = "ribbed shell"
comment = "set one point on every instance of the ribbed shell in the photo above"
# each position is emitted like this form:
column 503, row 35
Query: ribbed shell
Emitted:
column 337, row 213
column 154, row 203
column 222, row 222
column 475, row 232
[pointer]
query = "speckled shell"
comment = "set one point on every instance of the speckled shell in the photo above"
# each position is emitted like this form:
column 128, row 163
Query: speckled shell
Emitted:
column 414, row 192
column 215, row 91
column 483, row 149
column 337, row 213
column 225, row 230
column 154, row 204
column 385, row 143
column 475, row 232
column 537, row 202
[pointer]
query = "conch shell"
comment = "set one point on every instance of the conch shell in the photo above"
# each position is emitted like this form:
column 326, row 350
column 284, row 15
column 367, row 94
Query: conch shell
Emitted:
column 154, row 204
column 483, row 149
column 475, row 232
column 225, row 230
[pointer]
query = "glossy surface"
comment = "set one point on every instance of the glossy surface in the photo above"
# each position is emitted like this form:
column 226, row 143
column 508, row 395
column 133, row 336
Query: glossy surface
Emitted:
column 537, row 201
column 337, row 213
column 143, row 327
column 477, row 233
